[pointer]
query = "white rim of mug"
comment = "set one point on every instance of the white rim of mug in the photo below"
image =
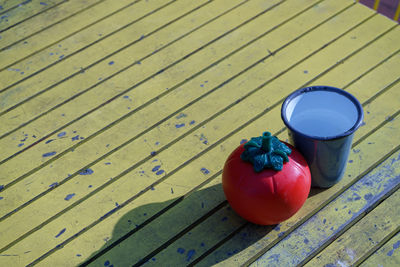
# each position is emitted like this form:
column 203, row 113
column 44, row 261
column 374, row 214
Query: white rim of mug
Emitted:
column 298, row 92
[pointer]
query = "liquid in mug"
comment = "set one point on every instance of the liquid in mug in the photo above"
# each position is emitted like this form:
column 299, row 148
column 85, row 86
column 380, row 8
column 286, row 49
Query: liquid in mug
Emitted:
column 321, row 123
column 322, row 114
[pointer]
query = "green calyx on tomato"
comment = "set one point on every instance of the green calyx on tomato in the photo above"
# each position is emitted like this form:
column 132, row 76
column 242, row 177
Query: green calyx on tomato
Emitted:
column 266, row 152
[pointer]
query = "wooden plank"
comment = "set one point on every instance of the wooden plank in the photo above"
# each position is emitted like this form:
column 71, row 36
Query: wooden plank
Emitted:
column 350, row 248
column 79, row 32
column 316, row 35
column 25, row 11
column 335, row 218
column 11, row 4
column 120, row 108
column 167, row 162
column 123, row 70
column 36, row 182
column 192, row 240
column 290, row 253
column 105, row 88
column 54, row 49
column 248, row 242
column 258, row 237
column 44, row 20
column 145, row 153
column 387, row 255
column 226, row 214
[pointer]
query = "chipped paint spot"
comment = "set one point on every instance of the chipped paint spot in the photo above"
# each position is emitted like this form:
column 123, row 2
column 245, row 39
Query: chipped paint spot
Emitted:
column 395, row 246
column 179, row 125
column 190, row 254
column 204, row 171
column 49, row 154
column 203, row 138
column 181, row 115
column 69, row 196
column 53, row 184
column 62, row 134
column 61, row 232
column 180, row 250
column 160, row 172
column 75, row 138
column 274, row 257
column 192, row 122
column 342, row 264
column 88, row 171
column 111, row 63
column 156, row 168
column 368, row 196
column 389, row 118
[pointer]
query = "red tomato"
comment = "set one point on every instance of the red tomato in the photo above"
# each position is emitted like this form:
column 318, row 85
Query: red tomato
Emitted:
column 268, row 197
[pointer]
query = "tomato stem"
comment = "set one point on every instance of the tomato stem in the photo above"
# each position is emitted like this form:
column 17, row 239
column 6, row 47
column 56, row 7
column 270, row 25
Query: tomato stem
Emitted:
column 266, row 151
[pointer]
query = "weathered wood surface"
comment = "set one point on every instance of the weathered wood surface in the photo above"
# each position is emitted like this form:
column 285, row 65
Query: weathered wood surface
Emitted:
column 116, row 118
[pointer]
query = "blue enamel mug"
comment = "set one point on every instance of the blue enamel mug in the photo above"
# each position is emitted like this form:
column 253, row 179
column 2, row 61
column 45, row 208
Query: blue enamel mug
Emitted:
column 321, row 122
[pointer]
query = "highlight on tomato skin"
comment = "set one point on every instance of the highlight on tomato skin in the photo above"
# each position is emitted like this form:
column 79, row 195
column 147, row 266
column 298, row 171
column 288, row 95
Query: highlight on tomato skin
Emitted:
column 267, row 197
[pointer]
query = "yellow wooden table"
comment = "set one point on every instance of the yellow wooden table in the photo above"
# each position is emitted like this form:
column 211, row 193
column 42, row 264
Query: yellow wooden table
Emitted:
column 116, row 118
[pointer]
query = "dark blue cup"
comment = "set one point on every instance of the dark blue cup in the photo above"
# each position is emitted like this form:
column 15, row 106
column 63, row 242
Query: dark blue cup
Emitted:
column 321, row 122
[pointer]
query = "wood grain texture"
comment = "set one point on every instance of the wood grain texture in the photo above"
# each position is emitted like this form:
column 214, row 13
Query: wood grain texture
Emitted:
column 334, row 219
column 113, row 132
column 387, row 255
column 37, row 24
column 23, row 10
column 68, row 37
column 109, row 138
column 376, row 226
